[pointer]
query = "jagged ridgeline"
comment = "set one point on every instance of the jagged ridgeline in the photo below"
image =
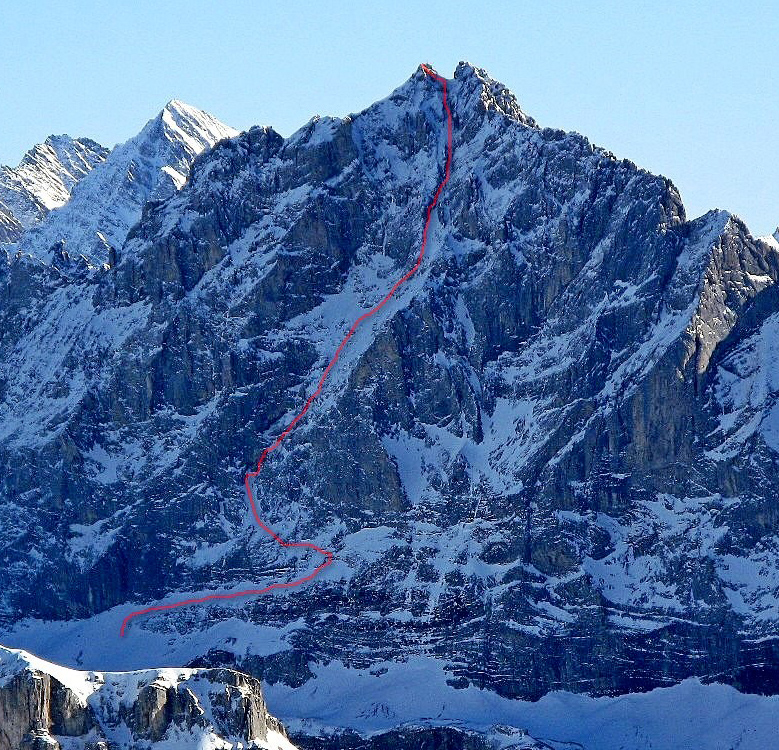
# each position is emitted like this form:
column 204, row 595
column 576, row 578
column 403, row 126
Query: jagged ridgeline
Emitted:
column 43, row 181
column 548, row 464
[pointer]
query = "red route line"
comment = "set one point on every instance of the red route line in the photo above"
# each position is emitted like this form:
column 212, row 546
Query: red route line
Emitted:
column 252, row 474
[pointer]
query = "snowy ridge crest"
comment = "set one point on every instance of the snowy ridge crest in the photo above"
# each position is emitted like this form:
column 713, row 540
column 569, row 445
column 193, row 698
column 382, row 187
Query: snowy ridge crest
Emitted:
column 43, row 181
column 492, row 95
column 42, row 703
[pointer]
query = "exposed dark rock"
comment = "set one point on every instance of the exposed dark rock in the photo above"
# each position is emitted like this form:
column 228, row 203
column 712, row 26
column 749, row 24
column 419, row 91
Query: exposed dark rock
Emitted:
column 423, row 738
column 115, row 709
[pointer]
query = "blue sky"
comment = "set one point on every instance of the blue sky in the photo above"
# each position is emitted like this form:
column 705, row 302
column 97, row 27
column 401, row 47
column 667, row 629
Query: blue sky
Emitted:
column 686, row 89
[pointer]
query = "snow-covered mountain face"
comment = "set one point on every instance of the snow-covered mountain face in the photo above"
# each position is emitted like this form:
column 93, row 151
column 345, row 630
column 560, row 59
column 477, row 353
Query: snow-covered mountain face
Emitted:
column 43, row 181
column 43, row 705
column 102, row 208
column 549, row 463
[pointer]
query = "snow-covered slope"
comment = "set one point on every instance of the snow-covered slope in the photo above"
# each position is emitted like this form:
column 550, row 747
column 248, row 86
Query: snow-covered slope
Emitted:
column 150, row 166
column 43, row 181
column 372, row 701
column 163, row 709
column 772, row 239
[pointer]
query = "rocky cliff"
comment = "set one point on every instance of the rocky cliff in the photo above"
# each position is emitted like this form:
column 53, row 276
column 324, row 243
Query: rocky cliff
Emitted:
column 548, row 464
column 45, row 706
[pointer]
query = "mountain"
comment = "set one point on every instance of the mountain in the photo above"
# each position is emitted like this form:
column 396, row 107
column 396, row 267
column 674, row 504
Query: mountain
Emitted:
column 46, row 707
column 43, row 181
column 548, row 464
column 105, row 205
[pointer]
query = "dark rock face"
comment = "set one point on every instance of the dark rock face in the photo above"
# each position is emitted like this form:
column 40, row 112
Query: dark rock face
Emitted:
column 550, row 462
column 237, row 709
column 34, row 706
column 423, row 738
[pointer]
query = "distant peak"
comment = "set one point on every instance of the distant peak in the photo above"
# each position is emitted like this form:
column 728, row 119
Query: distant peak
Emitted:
column 176, row 110
column 181, row 118
column 192, row 129
column 53, row 140
column 477, row 86
column 466, row 69
column 177, row 106
column 62, row 147
column 776, row 234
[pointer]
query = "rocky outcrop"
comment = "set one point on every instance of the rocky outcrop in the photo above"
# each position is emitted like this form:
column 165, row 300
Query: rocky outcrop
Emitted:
column 34, row 706
column 43, row 705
